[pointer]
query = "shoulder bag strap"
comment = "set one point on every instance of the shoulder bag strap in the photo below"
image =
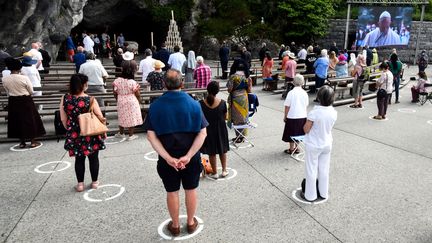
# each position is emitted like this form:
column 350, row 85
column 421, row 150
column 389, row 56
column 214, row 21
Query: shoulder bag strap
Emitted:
column 91, row 103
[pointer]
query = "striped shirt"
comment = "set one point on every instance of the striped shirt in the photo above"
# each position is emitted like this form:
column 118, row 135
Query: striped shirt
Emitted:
column 202, row 75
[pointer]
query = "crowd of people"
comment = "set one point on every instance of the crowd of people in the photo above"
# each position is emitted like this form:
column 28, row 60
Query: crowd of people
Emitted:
column 179, row 128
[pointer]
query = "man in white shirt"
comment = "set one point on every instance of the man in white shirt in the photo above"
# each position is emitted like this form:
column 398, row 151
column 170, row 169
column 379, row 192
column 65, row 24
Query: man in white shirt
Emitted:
column 384, row 35
column 96, row 74
column 302, row 54
column 177, row 59
column 36, row 55
column 146, row 65
column 88, row 43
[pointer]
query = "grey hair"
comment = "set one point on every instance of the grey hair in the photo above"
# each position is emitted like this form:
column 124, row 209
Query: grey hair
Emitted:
column 173, row 79
column 200, row 59
column 298, row 80
column 324, row 52
column 325, row 95
column 148, row 52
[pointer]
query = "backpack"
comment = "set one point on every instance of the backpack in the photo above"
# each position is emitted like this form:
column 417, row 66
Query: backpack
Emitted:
column 364, row 74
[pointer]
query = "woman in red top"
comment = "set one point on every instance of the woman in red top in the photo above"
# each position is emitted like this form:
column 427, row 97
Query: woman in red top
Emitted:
column 267, row 69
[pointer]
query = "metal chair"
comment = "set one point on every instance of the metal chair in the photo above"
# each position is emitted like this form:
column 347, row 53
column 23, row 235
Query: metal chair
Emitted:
column 253, row 104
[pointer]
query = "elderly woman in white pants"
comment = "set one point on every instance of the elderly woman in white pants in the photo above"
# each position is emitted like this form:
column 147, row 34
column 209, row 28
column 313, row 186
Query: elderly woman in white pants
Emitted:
column 318, row 141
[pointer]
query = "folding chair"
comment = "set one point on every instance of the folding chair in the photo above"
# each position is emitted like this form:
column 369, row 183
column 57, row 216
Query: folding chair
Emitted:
column 298, row 141
column 425, row 96
column 253, row 103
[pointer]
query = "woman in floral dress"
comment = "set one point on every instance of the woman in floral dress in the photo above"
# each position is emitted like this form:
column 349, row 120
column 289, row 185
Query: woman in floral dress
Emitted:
column 80, row 147
column 127, row 93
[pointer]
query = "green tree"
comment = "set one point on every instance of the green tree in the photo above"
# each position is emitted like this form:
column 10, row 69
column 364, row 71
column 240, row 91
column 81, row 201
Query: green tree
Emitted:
column 229, row 16
column 307, row 20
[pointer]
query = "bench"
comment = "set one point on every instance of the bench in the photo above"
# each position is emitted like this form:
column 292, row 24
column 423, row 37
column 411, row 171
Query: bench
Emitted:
column 51, row 103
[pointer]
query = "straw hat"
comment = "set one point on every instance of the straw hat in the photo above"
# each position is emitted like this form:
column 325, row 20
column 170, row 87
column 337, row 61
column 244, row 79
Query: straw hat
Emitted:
column 158, row 64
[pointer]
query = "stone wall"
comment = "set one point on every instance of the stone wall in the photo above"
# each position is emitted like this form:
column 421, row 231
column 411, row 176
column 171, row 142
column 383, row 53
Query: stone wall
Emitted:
column 406, row 54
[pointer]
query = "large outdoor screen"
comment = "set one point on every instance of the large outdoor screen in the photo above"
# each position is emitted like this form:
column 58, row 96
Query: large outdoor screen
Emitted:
column 384, row 26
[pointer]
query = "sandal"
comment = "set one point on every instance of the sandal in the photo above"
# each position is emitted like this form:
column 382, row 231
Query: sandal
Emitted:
column 289, row 151
column 94, row 185
column 35, row 144
column 174, row 231
column 192, row 228
column 79, row 187
column 353, row 106
column 22, row 145
column 359, row 106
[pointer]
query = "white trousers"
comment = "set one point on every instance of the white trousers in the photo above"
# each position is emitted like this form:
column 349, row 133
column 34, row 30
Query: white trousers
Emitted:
column 317, row 167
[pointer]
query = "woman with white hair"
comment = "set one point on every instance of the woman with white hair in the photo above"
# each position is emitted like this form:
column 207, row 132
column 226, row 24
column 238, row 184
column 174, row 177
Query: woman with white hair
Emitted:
column 360, row 75
column 188, row 68
column 310, row 60
column 321, row 66
column 295, row 113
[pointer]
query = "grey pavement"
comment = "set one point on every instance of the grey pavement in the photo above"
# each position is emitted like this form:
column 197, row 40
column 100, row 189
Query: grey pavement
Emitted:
column 380, row 187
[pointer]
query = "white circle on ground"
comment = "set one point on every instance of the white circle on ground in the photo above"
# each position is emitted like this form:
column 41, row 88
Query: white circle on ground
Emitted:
column 299, row 199
column 248, row 145
column 113, row 140
column 38, row 168
column 165, row 236
column 429, row 122
column 372, row 118
column 90, row 199
column 151, row 156
column 355, row 108
column 407, row 110
column 16, row 148
column 232, row 174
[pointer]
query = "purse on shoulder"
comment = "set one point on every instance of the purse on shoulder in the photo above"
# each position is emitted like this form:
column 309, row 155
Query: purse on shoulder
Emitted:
column 90, row 124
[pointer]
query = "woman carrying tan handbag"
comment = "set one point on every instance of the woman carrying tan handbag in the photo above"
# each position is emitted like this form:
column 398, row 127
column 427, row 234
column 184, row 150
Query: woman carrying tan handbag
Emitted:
column 80, row 147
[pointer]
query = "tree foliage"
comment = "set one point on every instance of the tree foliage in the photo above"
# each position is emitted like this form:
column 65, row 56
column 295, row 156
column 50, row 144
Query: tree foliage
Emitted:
column 305, row 19
column 299, row 20
column 229, row 16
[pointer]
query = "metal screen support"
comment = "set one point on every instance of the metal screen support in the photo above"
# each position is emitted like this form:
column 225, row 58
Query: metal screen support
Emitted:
column 347, row 26
column 418, row 34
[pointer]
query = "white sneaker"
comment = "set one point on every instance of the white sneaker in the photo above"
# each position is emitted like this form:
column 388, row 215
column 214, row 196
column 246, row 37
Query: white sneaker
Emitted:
column 224, row 174
column 214, row 176
column 133, row 137
column 119, row 135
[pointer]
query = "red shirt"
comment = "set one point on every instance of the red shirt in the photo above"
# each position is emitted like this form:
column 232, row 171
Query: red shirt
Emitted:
column 290, row 70
column 202, row 75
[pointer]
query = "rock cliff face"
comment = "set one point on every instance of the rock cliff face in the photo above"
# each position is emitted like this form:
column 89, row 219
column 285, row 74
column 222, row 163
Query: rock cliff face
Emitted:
column 25, row 21
column 48, row 21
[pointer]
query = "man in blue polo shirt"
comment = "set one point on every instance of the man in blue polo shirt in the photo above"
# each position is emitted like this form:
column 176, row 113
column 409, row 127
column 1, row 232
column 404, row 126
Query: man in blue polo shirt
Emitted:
column 79, row 58
column 176, row 129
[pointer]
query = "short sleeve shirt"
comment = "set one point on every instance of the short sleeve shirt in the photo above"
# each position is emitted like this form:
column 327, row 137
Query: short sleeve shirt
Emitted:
column 297, row 100
column 181, row 141
column 323, row 118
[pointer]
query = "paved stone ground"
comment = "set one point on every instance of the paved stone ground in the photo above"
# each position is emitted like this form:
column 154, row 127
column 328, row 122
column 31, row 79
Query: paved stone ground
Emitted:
column 380, row 187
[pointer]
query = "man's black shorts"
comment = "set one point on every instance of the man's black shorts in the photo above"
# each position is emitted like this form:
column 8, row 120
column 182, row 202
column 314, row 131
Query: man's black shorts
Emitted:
column 189, row 177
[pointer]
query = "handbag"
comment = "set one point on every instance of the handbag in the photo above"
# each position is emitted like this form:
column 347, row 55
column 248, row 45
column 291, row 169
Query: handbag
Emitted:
column 207, row 167
column 58, row 125
column 382, row 92
column 90, row 124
